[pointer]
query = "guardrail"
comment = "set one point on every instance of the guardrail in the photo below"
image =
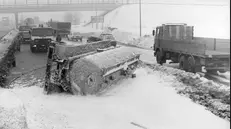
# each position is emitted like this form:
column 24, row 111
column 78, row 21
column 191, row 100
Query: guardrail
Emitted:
column 8, row 47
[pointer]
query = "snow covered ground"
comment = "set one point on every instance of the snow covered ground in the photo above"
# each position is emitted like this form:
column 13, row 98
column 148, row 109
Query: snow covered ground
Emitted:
column 147, row 100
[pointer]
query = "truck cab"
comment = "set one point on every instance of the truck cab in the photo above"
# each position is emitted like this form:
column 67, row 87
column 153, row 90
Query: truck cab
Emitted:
column 41, row 38
column 170, row 32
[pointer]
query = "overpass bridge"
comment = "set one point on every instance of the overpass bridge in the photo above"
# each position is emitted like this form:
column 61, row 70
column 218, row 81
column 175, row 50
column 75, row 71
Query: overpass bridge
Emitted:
column 16, row 7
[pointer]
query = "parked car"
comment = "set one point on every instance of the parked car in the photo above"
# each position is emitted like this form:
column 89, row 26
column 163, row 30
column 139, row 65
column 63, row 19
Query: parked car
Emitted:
column 75, row 36
column 102, row 37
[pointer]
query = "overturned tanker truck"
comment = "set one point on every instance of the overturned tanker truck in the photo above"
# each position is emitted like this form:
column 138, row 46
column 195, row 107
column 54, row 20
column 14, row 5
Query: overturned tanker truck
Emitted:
column 88, row 69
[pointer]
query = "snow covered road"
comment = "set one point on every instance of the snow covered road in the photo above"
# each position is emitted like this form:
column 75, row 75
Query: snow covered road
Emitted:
column 147, row 100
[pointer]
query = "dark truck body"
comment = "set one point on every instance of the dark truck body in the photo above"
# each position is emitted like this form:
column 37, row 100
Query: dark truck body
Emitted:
column 62, row 28
column 25, row 33
column 41, row 38
column 192, row 53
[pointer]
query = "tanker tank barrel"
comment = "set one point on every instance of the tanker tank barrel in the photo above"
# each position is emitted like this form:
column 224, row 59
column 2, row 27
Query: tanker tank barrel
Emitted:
column 90, row 68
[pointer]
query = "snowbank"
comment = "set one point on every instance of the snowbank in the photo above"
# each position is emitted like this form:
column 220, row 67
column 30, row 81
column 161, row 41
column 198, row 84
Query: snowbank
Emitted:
column 86, row 31
column 143, row 42
column 215, row 97
column 130, row 102
column 12, row 112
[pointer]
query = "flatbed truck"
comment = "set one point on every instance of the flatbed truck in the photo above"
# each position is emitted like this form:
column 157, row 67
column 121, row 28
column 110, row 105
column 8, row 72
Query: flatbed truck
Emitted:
column 176, row 42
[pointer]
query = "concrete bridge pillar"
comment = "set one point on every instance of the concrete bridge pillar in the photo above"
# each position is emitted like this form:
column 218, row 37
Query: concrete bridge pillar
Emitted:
column 16, row 20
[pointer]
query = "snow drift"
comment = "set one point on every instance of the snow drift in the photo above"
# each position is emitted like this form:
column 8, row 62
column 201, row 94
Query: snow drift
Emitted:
column 12, row 112
column 151, row 104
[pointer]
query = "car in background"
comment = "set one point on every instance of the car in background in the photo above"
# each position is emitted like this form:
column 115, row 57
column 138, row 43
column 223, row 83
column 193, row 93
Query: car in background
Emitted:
column 75, row 36
column 106, row 37
column 102, row 37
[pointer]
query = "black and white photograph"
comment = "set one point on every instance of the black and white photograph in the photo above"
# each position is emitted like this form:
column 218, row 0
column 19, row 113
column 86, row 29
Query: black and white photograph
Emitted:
column 114, row 64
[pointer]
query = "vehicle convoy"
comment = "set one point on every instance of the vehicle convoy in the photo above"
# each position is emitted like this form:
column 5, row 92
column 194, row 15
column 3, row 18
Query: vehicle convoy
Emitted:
column 41, row 37
column 102, row 37
column 75, row 36
column 88, row 68
column 25, row 33
column 61, row 28
column 176, row 42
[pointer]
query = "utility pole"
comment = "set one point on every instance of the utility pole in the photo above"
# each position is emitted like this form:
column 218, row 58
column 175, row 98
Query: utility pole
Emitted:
column 96, row 19
column 140, row 18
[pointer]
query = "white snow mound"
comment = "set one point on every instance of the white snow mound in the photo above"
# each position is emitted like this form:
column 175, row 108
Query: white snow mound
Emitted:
column 12, row 112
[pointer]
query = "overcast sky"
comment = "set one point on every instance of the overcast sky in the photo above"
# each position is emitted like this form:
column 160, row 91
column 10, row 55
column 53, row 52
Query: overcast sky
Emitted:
column 86, row 15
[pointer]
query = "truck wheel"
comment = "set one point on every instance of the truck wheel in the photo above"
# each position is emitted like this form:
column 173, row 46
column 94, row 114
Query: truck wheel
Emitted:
column 182, row 63
column 191, row 65
column 158, row 58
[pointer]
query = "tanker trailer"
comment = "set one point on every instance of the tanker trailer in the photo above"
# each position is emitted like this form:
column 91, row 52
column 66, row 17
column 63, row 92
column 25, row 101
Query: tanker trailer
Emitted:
column 88, row 69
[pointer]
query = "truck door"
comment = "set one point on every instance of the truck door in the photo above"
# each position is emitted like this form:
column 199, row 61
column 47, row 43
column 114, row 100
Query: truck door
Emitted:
column 159, row 32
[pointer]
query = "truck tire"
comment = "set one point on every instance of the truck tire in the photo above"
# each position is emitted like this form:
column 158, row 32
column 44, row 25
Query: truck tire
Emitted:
column 183, row 63
column 191, row 65
column 159, row 58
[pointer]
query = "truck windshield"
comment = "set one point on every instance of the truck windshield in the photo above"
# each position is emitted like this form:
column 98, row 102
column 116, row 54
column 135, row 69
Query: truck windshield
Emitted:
column 42, row 32
column 24, row 28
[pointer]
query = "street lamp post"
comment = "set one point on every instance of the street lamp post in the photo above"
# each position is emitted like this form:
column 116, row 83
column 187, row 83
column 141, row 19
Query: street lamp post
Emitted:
column 140, row 17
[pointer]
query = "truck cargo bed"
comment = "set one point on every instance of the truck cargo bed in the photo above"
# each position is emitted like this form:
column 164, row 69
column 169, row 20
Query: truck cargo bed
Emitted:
column 192, row 48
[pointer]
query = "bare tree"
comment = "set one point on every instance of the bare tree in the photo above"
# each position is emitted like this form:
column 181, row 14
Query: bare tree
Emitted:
column 72, row 17
column 68, row 17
